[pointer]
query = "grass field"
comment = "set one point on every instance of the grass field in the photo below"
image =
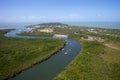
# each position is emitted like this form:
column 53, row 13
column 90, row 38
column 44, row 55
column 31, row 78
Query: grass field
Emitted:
column 17, row 53
column 95, row 62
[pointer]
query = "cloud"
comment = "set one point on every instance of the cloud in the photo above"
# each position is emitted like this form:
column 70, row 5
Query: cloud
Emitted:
column 99, row 15
column 70, row 16
column 22, row 18
column 33, row 17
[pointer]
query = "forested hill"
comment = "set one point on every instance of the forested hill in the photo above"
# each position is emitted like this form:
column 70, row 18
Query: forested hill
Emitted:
column 51, row 24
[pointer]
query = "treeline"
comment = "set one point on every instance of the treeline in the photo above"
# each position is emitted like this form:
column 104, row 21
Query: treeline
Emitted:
column 36, row 33
column 16, row 54
column 95, row 62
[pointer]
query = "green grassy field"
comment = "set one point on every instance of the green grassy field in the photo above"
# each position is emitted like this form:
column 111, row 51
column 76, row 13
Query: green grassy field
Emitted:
column 17, row 53
column 95, row 62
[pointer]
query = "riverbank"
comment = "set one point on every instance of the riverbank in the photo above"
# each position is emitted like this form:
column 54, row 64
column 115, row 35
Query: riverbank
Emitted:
column 17, row 54
column 44, row 59
column 95, row 62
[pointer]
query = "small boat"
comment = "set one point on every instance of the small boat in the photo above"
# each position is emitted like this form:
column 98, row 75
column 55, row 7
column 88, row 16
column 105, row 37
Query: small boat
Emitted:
column 69, row 49
column 66, row 53
column 63, row 49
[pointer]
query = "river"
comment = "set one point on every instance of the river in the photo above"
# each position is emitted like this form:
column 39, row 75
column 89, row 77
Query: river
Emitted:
column 50, row 68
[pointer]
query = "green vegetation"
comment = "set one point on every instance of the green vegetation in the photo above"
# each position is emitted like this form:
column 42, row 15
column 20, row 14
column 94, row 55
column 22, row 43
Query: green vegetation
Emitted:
column 99, row 34
column 36, row 33
column 95, row 62
column 17, row 54
column 112, row 60
column 98, row 60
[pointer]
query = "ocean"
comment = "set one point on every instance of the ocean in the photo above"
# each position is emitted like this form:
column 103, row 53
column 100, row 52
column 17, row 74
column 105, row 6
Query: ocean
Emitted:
column 109, row 25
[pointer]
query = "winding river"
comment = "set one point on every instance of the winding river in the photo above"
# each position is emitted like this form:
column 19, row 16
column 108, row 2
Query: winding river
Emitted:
column 50, row 68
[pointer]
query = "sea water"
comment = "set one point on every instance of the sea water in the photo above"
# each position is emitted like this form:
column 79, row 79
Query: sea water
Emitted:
column 109, row 25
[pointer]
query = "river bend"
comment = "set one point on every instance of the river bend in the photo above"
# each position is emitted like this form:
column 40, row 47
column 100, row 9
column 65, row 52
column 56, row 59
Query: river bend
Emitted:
column 50, row 68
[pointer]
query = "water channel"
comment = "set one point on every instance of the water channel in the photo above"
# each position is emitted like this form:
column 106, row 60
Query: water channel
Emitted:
column 50, row 68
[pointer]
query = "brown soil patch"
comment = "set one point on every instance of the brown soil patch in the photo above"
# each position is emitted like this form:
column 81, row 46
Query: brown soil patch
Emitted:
column 111, row 46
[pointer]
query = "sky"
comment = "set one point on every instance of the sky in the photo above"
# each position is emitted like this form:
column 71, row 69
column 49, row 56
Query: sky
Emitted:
column 59, row 10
